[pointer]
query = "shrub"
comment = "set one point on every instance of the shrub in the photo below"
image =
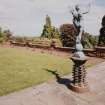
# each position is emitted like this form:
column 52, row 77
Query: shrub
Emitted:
column 68, row 35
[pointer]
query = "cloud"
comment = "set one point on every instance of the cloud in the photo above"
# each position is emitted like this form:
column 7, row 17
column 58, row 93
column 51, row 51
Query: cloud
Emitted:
column 27, row 16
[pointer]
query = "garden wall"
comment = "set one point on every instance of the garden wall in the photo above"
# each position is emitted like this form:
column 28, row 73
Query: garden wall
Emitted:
column 89, row 52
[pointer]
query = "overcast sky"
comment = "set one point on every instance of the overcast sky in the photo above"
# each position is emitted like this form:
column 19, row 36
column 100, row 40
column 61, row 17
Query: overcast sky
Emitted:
column 26, row 17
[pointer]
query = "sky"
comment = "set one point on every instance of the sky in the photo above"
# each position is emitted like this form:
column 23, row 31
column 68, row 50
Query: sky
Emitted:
column 27, row 17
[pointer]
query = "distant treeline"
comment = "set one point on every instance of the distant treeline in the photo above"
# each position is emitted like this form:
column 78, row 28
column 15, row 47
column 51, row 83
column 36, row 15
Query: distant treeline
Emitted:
column 63, row 36
column 67, row 35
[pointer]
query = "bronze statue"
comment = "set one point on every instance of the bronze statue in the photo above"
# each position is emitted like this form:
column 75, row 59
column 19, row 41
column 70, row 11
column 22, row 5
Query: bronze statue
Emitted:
column 79, row 25
column 79, row 83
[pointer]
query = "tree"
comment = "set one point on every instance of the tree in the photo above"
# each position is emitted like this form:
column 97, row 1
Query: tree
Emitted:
column 68, row 35
column 49, row 31
column 89, row 41
column 55, row 33
column 48, row 21
column 7, row 34
column 103, row 21
column 101, row 41
column 1, row 34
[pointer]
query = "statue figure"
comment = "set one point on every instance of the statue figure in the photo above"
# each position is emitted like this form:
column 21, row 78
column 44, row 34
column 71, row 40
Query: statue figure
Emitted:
column 78, row 24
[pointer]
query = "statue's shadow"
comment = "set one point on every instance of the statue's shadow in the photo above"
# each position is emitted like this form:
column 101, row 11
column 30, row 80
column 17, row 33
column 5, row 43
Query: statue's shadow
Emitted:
column 59, row 79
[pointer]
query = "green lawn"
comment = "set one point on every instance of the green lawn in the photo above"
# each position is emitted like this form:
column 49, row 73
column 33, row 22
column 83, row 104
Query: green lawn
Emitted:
column 20, row 68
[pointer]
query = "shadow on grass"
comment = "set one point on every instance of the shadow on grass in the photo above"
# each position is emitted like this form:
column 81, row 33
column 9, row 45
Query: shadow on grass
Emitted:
column 59, row 79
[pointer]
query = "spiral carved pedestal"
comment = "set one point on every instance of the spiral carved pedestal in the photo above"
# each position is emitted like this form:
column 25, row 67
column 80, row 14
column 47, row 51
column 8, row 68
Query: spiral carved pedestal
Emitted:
column 79, row 83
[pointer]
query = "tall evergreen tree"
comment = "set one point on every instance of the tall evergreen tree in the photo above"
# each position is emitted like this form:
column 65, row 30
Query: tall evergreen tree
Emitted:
column 49, row 31
column 48, row 21
column 102, row 33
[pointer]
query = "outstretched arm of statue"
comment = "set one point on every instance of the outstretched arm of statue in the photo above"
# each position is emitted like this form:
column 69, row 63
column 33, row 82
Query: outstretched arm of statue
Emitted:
column 88, row 9
column 85, row 12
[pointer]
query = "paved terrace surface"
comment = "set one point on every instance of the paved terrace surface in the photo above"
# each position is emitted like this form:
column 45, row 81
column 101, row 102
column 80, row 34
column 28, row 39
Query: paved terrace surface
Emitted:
column 56, row 93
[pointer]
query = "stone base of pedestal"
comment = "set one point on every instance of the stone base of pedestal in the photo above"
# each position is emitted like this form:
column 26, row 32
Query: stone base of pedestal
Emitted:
column 79, row 83
column 79, row 89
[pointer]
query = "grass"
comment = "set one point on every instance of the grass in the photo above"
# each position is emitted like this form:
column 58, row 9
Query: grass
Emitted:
column 20, row 68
